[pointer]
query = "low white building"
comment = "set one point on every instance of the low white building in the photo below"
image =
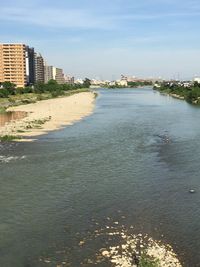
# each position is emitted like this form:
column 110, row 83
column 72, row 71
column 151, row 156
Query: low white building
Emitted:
column 197, row 79
column 79, row 81
column 113, row 83
column 122, row 83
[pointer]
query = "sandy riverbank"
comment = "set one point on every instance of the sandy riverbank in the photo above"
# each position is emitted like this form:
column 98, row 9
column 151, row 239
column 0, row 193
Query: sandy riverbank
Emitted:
column 49, row 115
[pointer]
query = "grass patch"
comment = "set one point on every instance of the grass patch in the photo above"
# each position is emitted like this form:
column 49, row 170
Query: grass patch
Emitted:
column 2, row 110
column 8, row 138
column 73, row 92
column 36, row 124
column 40, row 122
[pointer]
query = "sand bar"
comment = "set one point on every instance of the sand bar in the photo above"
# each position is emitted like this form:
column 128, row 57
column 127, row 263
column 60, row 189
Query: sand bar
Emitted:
column 49, row 115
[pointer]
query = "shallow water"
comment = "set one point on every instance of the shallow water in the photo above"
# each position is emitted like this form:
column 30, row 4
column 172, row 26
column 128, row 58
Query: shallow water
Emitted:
column 130, row 164
column 11, row 116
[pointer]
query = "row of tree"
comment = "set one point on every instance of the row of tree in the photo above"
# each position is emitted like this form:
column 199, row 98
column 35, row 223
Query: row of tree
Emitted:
column 8, row 88
column 137, row 84
column 191, row 94
column 132, row 85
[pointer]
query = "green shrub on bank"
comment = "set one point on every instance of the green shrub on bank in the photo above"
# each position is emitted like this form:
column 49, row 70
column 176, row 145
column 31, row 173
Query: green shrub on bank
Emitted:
column 8, row 138
column 51, row 87
column 4, row 93
column 2, row 110
column 190, row 94
column 136, row 84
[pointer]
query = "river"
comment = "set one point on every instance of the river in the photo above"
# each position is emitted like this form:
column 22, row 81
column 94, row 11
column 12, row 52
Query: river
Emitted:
column 131, row 163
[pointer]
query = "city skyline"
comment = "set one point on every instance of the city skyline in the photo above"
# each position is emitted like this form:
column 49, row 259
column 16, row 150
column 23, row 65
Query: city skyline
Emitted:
column 105, row 39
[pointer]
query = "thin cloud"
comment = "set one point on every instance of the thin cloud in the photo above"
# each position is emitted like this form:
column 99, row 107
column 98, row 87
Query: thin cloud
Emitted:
column 56, row 18
column 80, row 18
column 158, row 16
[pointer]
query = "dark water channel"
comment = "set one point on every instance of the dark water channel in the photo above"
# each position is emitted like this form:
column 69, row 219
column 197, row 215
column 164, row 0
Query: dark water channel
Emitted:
column 133, row 162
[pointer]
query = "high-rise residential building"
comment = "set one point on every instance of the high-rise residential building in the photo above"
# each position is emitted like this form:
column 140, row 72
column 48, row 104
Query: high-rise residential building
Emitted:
column 60, row 76
column 21, row 65
column 30, row 65
column 13, row 64
column 69, row 79
column 49, row 73
column 53, row 73
column 39, row 68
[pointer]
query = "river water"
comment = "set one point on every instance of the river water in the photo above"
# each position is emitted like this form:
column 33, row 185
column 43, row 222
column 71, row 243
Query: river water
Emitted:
column 131, row 163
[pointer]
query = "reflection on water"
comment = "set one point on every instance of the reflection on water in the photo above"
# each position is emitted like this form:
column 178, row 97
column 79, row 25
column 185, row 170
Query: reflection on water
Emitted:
column 11, row 116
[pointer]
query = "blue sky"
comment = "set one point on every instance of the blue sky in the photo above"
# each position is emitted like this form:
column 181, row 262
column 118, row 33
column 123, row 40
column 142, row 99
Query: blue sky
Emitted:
column 107, row 38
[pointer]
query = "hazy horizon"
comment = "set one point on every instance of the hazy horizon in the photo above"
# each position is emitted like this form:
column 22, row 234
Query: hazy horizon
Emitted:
column 104, row 39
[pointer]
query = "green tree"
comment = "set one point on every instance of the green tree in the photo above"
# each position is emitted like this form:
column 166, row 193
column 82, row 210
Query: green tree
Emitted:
column 87, row 83
column 10, row 87
column 4, row 93
column 39, row 87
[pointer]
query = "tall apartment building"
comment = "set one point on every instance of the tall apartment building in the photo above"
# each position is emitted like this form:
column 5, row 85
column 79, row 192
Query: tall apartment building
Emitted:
column 30, row 65
column 53, row 73
column 49, row 73
column 60, row 76
column 13, row 64
column 39, row 68
column 69, row 79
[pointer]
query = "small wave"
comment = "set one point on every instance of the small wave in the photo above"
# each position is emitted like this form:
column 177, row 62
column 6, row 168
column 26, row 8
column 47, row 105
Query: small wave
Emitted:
column 7, row 159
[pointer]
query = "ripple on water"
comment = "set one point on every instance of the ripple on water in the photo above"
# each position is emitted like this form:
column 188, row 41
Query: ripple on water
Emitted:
column 7, row 159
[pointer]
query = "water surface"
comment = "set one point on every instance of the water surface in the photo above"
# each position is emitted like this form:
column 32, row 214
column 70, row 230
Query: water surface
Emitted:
column 133, row 162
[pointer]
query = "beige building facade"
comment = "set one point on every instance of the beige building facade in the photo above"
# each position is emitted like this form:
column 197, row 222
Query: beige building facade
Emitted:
column 13, row 64
column 59, row 76
column 53, row 73
column 49, row 73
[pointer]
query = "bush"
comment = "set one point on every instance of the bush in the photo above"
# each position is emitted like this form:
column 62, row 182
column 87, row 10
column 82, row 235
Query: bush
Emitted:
column 8, row 138
column 4, row 93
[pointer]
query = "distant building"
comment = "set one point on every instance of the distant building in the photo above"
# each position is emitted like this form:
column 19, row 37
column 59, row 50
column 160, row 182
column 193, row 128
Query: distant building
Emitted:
column 53, row 73
column 39, row 68
column 122, row 83
column 13, row 64
column 128, row 78
column 112, row 83
column 79, row 81
column 69, row 79
column 95, row 82
column 30, row 65
column 49, row 73
column 197, row 79
column 59, row 76
column 21, row 65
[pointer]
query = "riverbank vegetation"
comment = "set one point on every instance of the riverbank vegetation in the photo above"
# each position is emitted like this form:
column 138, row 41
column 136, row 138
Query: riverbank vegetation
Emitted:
column 188, row 92
column 12, row 96
column 9, row 138
column 138, row 84
column 131, row 85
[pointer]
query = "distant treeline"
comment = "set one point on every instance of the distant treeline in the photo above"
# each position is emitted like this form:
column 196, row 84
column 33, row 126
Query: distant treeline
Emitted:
column 132, row 84
column 137, row 84
column 190, row 93
column 8, row 89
